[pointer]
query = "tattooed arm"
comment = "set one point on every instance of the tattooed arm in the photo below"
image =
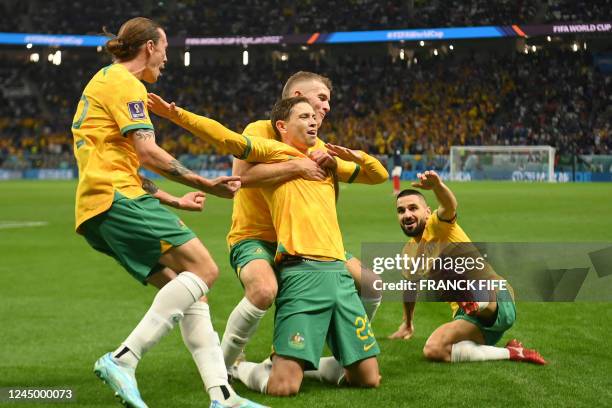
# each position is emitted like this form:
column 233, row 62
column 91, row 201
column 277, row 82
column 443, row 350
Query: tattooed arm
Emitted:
column 192, row 201
column 161, row 162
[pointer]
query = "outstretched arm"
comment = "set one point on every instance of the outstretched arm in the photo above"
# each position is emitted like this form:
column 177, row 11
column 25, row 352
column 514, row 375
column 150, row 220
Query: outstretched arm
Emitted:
column 159, row 161
column 368, row 170
column 253, row 150
column 447, row 203
column 192, row 201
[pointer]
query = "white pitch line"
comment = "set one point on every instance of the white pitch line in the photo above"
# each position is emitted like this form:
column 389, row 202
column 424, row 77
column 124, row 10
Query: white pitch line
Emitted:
column 21, row 224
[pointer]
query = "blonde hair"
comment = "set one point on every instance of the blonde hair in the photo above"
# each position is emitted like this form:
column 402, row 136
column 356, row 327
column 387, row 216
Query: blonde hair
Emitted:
column 302, row 76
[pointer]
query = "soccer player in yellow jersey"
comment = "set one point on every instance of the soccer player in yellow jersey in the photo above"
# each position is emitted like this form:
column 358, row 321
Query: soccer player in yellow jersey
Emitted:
column 317, row 299
column 252, row 238
column 113, row 137
column 476, row 326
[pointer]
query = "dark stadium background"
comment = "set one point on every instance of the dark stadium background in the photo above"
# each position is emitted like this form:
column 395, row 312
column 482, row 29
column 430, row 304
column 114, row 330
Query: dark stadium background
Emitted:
column 62, row 304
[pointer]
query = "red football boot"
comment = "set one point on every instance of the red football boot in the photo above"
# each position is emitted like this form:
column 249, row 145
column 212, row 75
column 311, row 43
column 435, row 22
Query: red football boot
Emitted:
column 520, row 353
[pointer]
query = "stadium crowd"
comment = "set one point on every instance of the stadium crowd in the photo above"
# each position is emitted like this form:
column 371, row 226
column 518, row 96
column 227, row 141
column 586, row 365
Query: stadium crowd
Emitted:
column 236, row 17
column 551, row 97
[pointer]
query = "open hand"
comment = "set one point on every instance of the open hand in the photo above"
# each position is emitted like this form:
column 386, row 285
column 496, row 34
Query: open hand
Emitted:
column 160, row 107
column 427, row 180
column 324, row 159
column 343, row 152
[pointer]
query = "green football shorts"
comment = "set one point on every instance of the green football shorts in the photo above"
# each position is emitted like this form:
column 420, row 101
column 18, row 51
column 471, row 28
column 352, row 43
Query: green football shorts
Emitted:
column 136, row 232
column 506, row 316
column 317, row 302
column 248, row 250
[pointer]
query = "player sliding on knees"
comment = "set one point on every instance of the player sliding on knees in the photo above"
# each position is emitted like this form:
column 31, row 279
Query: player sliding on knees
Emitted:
column 476, row 326
column 317, row 300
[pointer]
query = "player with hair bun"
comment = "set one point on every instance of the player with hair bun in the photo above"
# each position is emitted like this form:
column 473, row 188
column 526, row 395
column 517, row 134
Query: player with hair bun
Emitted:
column 119, row 214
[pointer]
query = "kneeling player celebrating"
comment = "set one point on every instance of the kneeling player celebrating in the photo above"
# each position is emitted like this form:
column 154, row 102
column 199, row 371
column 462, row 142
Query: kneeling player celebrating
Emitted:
column 317, row 299
column 476, row 326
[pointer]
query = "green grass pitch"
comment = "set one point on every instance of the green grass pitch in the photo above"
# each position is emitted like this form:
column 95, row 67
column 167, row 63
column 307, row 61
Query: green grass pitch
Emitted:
column 63, row 305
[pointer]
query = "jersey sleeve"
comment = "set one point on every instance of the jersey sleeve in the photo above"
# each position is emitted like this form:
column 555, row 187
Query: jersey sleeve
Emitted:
column 260, row 150
column 441, row 229
column 347, row 171
column 368, row 171
column 247, row 148
column 129, row 107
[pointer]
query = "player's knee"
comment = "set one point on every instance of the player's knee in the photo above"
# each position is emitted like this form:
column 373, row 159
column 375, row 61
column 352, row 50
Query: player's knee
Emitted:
column 370, row 380
column 262, row 296
column 435, row 351
column 284, row 387
column 210, row 272
column 262, row 291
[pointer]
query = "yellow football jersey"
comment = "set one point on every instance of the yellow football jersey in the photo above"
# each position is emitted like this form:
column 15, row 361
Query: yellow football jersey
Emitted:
column 436, row 234
column 305, row 220
column 322, row 239
column 251, row 218
column 113, row 103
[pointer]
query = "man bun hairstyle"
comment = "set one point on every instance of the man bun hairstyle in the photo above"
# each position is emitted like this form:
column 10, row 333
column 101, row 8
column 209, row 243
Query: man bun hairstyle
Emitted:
column 132, row 35
column 302, row 76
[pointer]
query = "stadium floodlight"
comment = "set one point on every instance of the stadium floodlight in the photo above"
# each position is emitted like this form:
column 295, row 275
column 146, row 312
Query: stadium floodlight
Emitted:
column 575, row 47
column 451, row 47
column 548, row 38
column 245, row 57
column 401, row 54
column 35, row 57
column 187, row 58
column 29, row 46
column 436, row 52
column 422, row 43
column 57, row 58
column 516, row 163
column 533, row 48
column 99, row 48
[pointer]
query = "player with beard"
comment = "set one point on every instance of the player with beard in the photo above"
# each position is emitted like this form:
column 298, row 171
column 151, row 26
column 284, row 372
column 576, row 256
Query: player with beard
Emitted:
column 476, row 326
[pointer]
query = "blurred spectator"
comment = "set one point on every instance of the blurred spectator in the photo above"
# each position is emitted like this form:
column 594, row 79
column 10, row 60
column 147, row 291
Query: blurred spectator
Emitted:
column 379, row 105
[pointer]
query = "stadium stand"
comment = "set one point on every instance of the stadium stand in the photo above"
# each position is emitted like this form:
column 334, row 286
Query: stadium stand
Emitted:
column 380, row 103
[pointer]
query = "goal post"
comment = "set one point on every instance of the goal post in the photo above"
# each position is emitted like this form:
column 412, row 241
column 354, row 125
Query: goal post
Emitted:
column 516, row 163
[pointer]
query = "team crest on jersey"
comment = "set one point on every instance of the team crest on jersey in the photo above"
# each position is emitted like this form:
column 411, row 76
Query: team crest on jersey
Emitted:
column 137, row 110
column 296, row 341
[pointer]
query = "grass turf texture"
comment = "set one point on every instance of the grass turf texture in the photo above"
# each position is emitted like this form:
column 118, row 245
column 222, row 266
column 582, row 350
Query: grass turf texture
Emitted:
column 63, row 305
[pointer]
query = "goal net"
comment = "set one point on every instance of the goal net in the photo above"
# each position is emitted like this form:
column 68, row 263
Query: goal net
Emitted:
column 516, row 163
